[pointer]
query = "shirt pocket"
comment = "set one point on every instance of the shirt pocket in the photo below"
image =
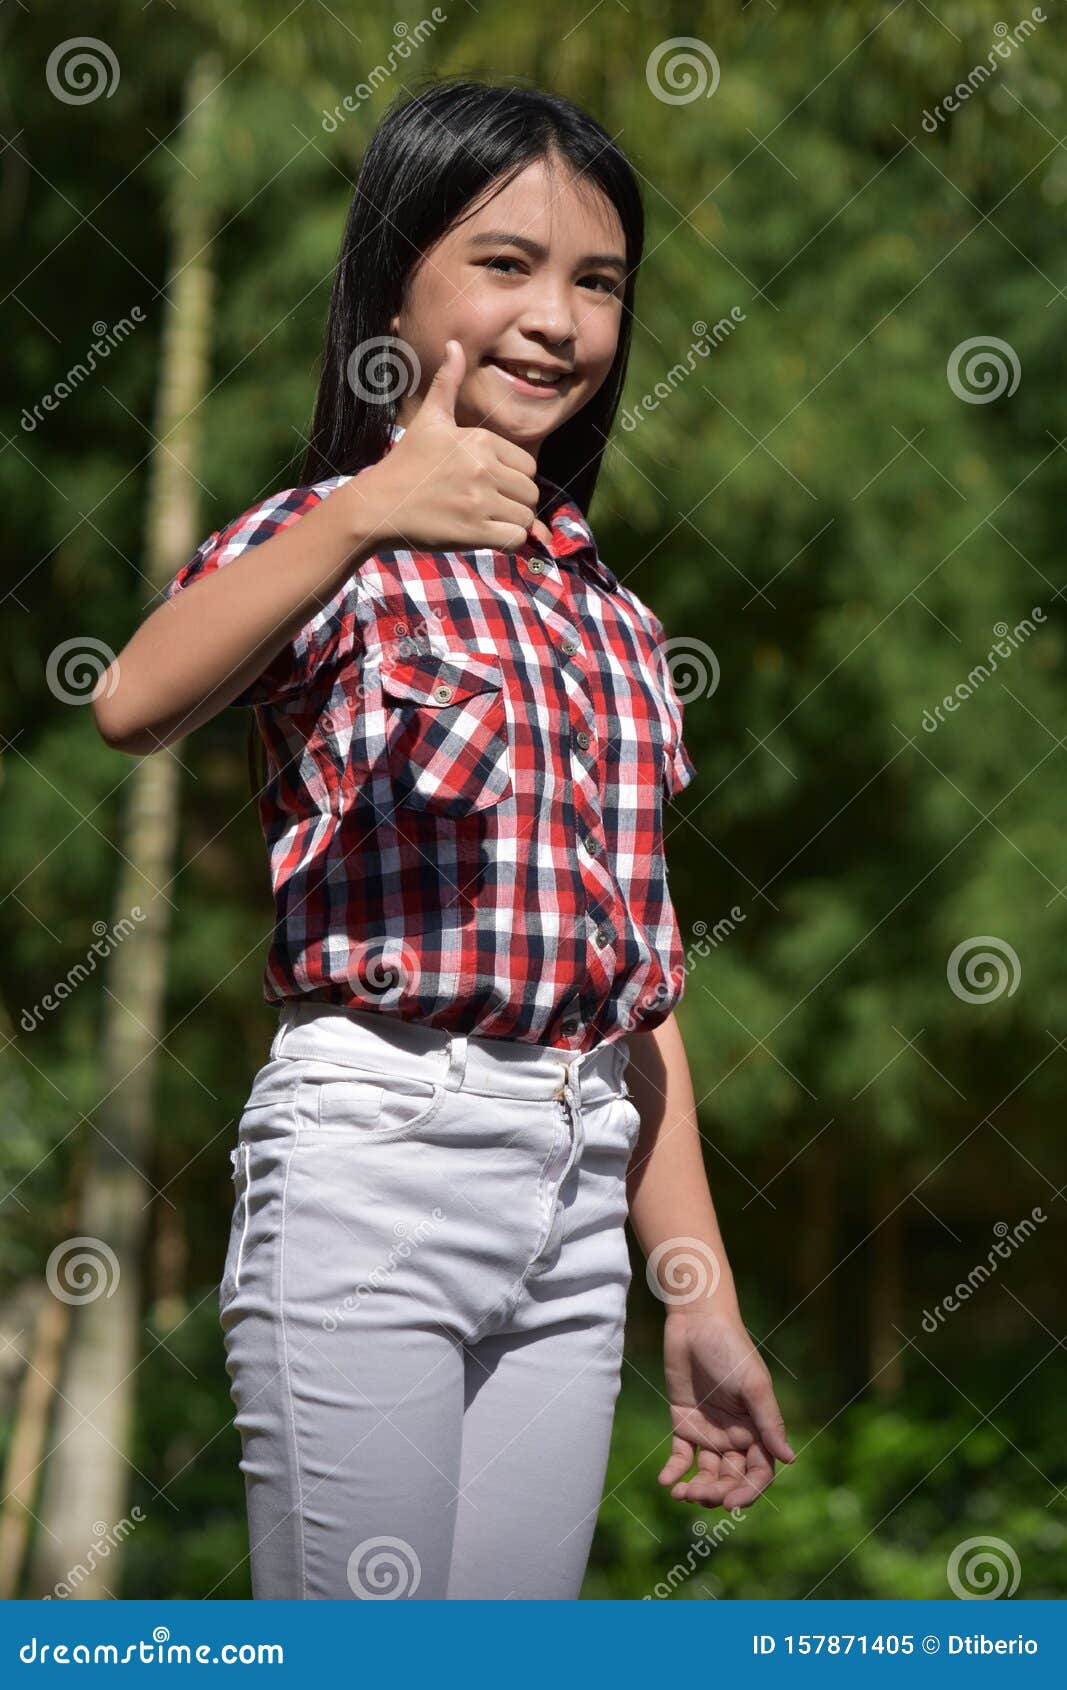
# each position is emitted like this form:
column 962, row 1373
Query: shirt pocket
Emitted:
column 447, row 732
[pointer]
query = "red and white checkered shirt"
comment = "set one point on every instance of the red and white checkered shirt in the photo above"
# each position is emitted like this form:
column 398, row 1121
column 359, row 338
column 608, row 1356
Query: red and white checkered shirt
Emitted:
column 469, row 755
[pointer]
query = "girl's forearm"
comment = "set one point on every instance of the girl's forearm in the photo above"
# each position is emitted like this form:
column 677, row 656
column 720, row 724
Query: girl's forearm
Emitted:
column 198, row 650
column 667, row 1184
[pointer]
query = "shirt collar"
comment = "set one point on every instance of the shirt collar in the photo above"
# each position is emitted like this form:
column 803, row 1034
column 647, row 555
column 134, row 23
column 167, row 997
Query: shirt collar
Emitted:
column 572, row 539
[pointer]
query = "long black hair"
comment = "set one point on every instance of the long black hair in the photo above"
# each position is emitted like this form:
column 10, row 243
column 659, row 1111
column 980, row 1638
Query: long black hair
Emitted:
column 431, row 157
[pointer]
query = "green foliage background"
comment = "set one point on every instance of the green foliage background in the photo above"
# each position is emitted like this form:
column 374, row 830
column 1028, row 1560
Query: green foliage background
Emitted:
column 817, row 505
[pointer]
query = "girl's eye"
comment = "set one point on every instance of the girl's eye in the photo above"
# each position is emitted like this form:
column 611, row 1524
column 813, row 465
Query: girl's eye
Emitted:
column 605, row 282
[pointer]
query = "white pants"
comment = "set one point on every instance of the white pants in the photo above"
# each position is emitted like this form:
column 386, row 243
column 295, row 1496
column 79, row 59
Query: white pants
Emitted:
column 423, row 1307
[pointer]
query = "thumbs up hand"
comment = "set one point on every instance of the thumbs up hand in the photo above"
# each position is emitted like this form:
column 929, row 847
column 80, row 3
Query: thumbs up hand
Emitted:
column 444, row 487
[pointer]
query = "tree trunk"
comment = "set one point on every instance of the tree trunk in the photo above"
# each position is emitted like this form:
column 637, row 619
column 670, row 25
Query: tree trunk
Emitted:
column 887, row 1287
column 86, row 1477
column 817, row 1256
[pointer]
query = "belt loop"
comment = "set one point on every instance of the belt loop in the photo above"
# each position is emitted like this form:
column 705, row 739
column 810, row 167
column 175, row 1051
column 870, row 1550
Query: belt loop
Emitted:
column 457, row 1061
column 284, row 1023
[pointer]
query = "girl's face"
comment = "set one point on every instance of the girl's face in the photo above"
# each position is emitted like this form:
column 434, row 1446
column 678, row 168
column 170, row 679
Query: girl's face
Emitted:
column 532, row 280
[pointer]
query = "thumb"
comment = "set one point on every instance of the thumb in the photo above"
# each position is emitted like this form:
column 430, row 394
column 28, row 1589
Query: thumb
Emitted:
column 440, row 398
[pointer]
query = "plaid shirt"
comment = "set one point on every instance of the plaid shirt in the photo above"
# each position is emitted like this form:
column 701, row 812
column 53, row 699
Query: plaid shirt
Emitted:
column 469, row 755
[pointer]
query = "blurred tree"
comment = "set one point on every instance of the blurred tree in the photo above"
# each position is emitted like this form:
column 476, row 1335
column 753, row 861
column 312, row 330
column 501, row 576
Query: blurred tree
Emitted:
column 87, row 1476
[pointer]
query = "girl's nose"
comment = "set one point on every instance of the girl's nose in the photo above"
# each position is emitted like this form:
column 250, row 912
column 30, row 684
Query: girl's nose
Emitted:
column 549, row 317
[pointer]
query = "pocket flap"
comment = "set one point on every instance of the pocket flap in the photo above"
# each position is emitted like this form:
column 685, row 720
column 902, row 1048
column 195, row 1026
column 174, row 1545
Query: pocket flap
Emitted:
column 440, row 679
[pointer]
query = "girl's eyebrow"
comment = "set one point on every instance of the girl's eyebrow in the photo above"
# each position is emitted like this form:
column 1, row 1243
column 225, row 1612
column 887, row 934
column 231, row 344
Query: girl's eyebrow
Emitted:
column 503, row 237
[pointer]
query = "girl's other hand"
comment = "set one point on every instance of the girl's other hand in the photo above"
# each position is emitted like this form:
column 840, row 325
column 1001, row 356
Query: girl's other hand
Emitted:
column 724, row 1415
column 442, row 486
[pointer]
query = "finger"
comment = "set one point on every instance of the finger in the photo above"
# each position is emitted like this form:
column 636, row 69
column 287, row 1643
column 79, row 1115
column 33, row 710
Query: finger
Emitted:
column 705, row 1491
column 441, row 393
column 706, row 1480
column 514, row 485
column 540, row 532
column 509, row 510
column 501, row 536
column 759, row 1474
column 732, row 1464
column 762, row 1405
column 515, row 457
column 678, row 1462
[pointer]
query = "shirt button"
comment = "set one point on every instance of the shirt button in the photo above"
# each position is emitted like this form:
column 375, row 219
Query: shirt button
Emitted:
column 442, row 694
column 583, row 739
column 536, row 567
column 569, row 647
column 571, row 1026
column 591, row 845
column 400, row 627
column 602, row 936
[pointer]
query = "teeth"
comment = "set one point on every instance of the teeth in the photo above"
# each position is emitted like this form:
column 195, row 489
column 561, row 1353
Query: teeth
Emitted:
column 530, row 374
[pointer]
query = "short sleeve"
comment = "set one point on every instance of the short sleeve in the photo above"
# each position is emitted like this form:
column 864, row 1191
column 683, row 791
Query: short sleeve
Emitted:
column 679, row 768
column 319, row 642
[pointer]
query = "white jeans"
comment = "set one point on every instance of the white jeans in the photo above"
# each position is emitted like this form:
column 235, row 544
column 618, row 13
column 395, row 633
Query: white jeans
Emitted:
column 423, row 1307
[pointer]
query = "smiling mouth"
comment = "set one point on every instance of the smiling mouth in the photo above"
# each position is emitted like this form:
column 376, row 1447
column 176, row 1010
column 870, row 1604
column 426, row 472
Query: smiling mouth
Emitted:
column 518, row 376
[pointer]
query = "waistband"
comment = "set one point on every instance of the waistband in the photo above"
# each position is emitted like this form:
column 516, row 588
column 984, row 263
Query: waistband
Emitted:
column 377, row 1042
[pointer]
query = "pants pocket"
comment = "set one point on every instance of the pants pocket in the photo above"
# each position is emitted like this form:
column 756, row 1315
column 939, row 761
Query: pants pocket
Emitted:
column 239, row 1174
column 362, row 1110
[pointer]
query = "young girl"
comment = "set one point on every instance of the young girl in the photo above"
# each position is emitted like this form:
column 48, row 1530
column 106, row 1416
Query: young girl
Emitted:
column 471, row 736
